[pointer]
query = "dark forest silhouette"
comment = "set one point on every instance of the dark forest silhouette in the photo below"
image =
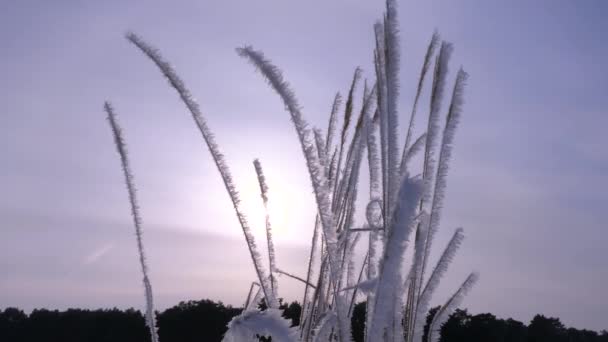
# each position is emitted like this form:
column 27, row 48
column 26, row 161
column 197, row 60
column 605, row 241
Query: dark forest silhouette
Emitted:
column 206, row 320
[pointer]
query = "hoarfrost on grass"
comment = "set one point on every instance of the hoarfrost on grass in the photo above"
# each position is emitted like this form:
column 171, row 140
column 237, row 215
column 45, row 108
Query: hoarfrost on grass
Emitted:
column 402, row 210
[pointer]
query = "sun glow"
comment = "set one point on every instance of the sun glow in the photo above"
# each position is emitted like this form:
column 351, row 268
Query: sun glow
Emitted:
column 280, row 204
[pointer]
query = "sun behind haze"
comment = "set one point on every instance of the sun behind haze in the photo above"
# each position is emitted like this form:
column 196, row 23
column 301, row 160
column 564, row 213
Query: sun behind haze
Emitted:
column 528, row 180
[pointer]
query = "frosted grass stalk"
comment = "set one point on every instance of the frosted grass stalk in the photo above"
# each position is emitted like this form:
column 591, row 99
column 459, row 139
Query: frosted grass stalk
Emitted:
column 438, row 272
column 253, row 304
column 316, row 304
column 412, row 151
column 320, row 144
column 390, row 275
column 392, row 65
column 430, row 51
column 395, row 199
column 375, row 199
column 325, row 327
column 349, row 108
column 310, row 272
column 373, row 161
column 251, row 288
column 338, row 185
column 356, row 286
column 439, row 79
column 415, row 272
column 319, row 182
column 293, row 276
column 121, row 148
column 379, row 63
column 349, row 189
column 217, row 156
column 271, row 252
column 333, row 121
column 444, row 312
column 445, row 154
column 347, row 193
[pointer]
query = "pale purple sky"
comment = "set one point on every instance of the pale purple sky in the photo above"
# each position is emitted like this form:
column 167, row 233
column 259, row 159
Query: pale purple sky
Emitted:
column 528, row 182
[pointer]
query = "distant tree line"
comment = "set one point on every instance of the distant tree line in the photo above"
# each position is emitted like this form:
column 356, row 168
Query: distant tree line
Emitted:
column 205, row 320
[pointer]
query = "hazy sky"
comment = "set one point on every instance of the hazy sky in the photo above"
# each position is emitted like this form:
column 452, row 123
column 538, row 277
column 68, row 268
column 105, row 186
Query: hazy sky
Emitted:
column 528, row 182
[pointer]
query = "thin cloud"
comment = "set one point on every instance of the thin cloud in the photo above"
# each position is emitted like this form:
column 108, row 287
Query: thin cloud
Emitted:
column 97, row 254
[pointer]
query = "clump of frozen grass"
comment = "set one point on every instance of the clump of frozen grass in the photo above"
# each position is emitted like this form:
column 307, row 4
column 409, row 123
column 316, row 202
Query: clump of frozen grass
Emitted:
column 401, row 207
column 251, row 324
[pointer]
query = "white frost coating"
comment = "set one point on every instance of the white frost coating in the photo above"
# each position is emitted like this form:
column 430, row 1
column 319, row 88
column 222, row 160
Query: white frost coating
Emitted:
column 439, row 79
column 375, row 241
column 218, row 157
column 250, row 323
column 257, row 298
column 351, row 180
column 364, row 287
column 272, row 265
column 250, row 293
column 437, row 89
column 350, row 269
column 293, row 276
column 333, row 121
column 452, row 120
column 121, row 148
column 355, row 289
column 347, row 191
column 440, row 269
column 331, row 171
column 444, row 312
column 338, row 197
column 345, row 195
column 309, row 274
column 397, row 332
column 320, row 143
column 351, row 176
column 322, row 288
column 329, row 299
column 316, row 171
column 349, row 107
column 375, row 196
column 392, row 65
column 379, row 63
column 414, row 278
column 373, row 161
column 344, row 332
column 325, row 327
column 261, row 180
column 275, row 78
column 430, row 51
column 412, row 151
column 390, row 278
